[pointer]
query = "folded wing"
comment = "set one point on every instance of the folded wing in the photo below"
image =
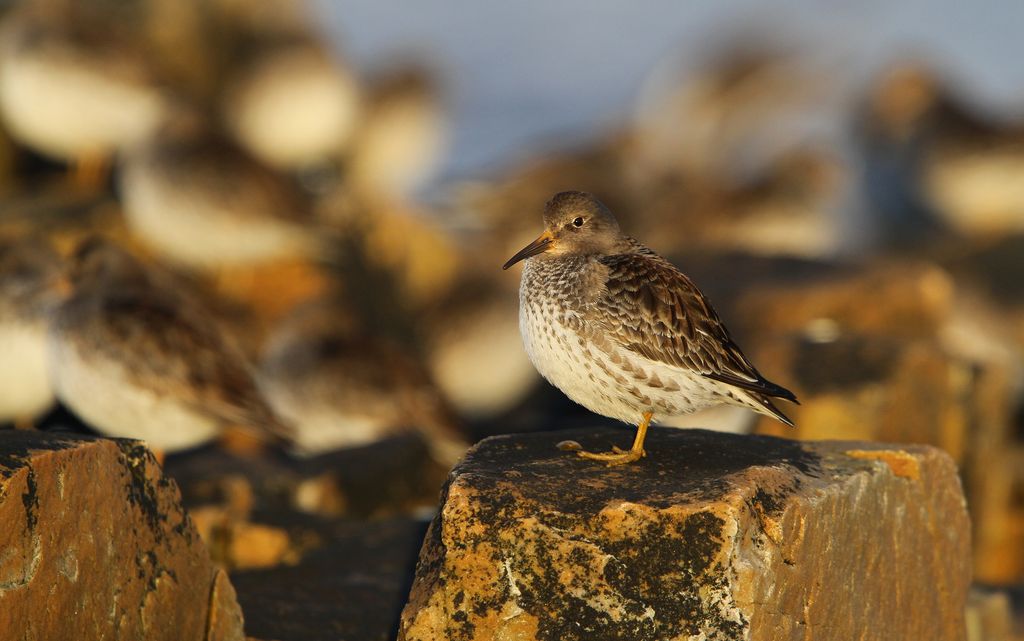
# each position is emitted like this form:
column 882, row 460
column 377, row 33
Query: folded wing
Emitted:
column 677, row 326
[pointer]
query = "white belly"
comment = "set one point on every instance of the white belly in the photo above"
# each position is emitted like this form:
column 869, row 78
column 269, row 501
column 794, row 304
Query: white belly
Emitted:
column 324, row 425
column 589, row 375
column 25, row 389
column 399, row 147
column 98, row 392
column 295, row 109
column 67, row 112
column 200, row 229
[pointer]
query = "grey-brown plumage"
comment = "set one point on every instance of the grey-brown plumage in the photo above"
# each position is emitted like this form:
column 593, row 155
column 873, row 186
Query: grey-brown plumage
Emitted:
column 623, row 332
column 201, row 201
column 339, row 386
column 30, row 275
column 134, row 357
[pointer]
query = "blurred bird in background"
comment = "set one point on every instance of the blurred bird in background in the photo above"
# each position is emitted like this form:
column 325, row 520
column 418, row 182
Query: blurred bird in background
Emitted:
column 251, row 159
column 134, row 357
column 201, row 201
column 289, row 99
column 338, row 385
column 74, row 82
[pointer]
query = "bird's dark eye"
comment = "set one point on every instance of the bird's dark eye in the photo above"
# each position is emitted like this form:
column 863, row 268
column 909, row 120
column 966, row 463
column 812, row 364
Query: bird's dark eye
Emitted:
column 577, row 222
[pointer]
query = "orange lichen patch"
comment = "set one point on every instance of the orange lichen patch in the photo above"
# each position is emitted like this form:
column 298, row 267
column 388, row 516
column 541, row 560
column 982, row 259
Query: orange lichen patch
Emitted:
column 902, row 464
column 516, row 625
column 254, row 545
column 772, row 528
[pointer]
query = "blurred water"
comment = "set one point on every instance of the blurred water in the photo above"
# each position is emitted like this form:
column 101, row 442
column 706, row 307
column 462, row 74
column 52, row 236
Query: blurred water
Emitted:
column 537, row 72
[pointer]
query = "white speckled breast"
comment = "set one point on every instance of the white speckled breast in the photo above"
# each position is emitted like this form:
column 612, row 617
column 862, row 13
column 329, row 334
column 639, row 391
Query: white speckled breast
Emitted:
column 569, row 349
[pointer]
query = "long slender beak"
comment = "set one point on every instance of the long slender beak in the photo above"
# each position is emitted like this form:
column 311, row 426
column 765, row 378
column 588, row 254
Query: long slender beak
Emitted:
column 538, row 246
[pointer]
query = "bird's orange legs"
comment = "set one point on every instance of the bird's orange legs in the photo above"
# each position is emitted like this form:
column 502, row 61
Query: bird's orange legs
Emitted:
column 620, row 457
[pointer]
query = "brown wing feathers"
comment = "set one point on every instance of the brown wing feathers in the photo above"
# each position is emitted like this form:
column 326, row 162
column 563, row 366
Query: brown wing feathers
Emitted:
column 679, row 326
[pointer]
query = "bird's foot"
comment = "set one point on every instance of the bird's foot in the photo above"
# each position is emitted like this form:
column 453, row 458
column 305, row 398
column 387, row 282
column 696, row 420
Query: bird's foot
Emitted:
column 616, row 457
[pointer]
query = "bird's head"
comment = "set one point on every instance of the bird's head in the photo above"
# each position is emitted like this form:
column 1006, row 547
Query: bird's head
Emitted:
column 576, row 224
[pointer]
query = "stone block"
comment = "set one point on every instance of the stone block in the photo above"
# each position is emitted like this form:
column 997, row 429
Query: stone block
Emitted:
column 712, row 536
column 95, row 544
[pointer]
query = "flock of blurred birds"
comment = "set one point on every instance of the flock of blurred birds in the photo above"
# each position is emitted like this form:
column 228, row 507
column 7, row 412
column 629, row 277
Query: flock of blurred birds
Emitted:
column 209, row 219
column 258, row 180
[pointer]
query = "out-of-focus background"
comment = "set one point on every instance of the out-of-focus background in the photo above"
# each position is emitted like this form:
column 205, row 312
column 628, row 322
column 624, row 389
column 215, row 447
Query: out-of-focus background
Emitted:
column 339, row 183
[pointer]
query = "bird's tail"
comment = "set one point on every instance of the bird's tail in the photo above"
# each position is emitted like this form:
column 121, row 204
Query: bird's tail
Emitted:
column 762, row 404
column 767, row 408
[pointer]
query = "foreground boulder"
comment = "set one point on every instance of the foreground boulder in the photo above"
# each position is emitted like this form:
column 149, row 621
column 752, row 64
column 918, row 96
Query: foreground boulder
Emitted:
column 94, row 544
column 712, row 536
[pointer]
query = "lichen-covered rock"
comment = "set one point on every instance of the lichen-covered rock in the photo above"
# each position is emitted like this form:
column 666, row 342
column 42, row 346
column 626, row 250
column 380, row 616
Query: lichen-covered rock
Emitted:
column 94, row 544
column 711, row 536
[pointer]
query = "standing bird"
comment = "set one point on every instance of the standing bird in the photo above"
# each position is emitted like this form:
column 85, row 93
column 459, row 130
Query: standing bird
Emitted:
column 133, row 357
column 624, row 333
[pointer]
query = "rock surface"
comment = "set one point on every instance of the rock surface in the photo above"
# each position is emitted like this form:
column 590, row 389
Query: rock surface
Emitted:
column 94, row 544
column 712, row 536
column 352, row 587
column 391, row 476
